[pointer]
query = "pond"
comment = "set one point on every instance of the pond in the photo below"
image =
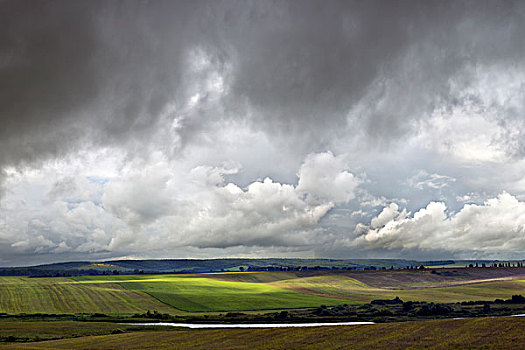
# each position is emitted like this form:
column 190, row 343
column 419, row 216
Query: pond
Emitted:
column 248, row 325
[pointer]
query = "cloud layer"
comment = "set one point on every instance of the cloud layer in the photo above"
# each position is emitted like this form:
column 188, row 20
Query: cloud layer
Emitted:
column 227, row 128
column 158, row 206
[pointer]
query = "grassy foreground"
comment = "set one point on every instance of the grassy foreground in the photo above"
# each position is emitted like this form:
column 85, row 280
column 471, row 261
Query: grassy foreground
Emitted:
column 482, row 333
column 15, row 332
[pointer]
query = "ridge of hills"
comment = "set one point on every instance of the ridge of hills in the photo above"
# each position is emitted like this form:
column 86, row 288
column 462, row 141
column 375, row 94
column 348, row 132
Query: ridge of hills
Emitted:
column 163, row 266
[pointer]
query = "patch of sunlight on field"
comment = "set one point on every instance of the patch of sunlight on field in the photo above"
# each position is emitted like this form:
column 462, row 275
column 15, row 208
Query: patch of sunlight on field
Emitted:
column 351, row 289
column 255, row 277
column 198, row 293
column 63, row 295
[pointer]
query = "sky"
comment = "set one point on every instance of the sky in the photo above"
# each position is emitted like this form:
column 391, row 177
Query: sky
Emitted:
column 204, row 129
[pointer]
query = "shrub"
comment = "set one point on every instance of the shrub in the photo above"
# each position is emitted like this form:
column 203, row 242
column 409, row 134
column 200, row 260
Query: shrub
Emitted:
column 282, row 314
column 518, row 299
column 383, row 312
column 396, row 300
column 407, row 306
column 432, row 309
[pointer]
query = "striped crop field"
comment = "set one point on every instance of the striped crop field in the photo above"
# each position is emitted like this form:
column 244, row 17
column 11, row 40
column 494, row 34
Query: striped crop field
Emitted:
column 243, row 291
column 345, row 287
column 199, row 293
column 63, row 295
column 397, row 279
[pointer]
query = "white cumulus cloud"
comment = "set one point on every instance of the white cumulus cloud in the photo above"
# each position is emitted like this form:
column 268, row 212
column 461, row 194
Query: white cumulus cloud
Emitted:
column 156, row 204
column 497, row 225
column 323, row 177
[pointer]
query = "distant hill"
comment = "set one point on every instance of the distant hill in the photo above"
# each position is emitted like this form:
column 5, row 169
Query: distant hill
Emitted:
column 205, row 265
column 76, row 268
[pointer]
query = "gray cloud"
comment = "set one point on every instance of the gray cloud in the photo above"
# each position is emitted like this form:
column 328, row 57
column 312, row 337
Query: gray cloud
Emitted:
column 423, row 180
column 120, row 103
column 75, row 71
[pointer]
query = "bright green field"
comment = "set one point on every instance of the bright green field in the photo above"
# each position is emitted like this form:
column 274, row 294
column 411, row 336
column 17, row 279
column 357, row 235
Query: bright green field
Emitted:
column 201, row 294
column 63, row 295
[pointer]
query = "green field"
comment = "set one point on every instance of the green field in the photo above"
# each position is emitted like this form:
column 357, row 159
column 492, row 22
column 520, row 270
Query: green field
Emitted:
column 342, row 286
column 188, row 297
column 203, row 294
column 198, row 293
column 63, row 295
column 481, row 333
column 365, row 286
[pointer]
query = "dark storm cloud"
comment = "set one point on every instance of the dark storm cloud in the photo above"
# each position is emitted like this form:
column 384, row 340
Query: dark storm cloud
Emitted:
column 47, row 74
column 94, row 71
column 306, row 65
column 251, row 89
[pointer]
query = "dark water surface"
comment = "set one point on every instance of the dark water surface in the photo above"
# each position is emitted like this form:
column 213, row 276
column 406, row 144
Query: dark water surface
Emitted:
column 248, row 325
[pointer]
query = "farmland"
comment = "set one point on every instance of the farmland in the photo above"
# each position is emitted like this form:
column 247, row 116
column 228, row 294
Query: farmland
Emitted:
column 345, row 287
column 482, row 333
column 50, row 330
column 445, row 285
column 62, row 295
column 250, row 291
column 390, row 279
column 200, row 293
column 45, row 312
